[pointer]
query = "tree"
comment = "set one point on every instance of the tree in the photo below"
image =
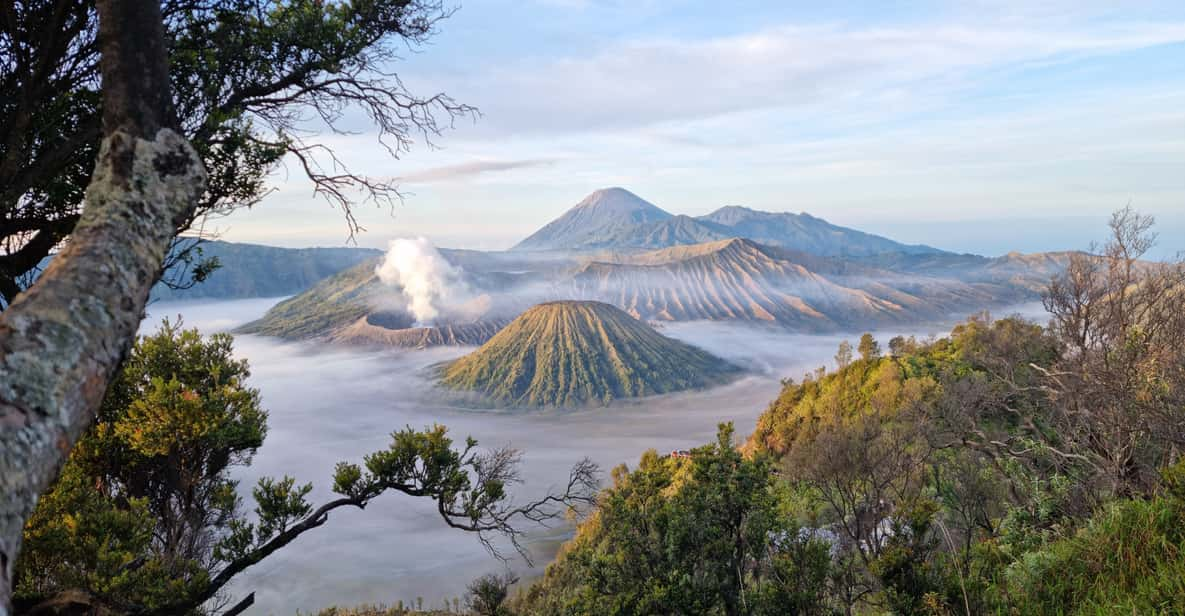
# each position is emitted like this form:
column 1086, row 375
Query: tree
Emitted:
column 176, row 419
column 146, row 519
column 869, row 348
column 248, row 78
column 1119, row 389
column 843, row 356
column 61, row 341
column 487, row 594
column 900, row 345
column 704, row 535
column 1099, row 394
column 263, row 68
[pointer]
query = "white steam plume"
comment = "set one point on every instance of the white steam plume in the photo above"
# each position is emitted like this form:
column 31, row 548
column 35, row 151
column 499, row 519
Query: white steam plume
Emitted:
column 429, row 282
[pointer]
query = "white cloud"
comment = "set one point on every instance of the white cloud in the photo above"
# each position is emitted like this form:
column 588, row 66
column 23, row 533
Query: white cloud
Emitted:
column 469, row 169
column 649, row 82
column 940, row 119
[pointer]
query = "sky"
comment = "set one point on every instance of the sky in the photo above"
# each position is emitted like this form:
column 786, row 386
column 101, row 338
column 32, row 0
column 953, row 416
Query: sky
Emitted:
column 974, row 126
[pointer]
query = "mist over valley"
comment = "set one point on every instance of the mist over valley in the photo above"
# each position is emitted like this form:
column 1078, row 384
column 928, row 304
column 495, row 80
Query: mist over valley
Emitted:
column 395, row 340
column 329, row 403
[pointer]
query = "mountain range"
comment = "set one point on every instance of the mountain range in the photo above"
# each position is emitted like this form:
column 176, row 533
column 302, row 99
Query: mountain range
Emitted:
column 796, row 272
column 617, row 219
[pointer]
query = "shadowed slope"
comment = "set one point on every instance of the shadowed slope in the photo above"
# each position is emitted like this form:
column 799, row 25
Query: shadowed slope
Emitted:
column 569, row 353
column 805, row 233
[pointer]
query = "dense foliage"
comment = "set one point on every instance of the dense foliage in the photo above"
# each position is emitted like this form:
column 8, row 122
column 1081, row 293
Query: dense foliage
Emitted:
column 704, row 534
column 563, row 354
column 1009, row 467
column 146, row 493
column 147, row 519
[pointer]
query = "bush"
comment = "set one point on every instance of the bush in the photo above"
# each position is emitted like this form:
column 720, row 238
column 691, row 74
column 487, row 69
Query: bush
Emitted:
column 1130, row 558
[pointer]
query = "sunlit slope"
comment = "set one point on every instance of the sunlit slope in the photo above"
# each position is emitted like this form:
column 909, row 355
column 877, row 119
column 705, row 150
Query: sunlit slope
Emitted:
column 355, row 307
column 332, row 303
column 741, row 280
column 572, row 353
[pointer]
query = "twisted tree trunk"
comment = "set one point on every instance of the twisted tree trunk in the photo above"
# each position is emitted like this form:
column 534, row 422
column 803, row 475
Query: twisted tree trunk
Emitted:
column 62, row 340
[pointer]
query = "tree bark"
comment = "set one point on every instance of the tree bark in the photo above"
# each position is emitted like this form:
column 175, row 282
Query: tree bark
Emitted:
column 62, row 340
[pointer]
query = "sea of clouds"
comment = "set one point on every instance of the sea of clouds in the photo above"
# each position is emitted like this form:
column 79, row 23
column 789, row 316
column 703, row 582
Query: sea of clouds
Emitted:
column 329, row 404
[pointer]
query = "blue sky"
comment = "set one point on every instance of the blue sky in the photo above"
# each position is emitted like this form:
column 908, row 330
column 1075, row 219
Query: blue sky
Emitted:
column 977, row 126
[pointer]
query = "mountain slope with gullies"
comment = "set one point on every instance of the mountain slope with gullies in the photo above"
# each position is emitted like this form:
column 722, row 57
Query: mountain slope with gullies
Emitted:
column 575, row 353
column 735, row 280
column 741, row 280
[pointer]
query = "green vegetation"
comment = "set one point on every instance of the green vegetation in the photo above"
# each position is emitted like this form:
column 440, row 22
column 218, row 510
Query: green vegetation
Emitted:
column 700, row 535
column 245, row 76
column 1008, row 468
column 145, row 518
column 146, row 491
column 1129, row 558
column 563, row 354
column 334, row 302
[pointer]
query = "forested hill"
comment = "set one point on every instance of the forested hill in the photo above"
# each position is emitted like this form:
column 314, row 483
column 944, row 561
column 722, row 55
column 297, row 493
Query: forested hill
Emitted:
column 253, row 270
column 1007, row 468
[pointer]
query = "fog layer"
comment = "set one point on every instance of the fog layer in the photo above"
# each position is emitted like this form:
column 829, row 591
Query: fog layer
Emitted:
column 330, row 404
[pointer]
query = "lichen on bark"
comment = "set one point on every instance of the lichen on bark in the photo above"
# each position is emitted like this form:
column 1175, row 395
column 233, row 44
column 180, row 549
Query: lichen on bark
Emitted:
column 62, row 340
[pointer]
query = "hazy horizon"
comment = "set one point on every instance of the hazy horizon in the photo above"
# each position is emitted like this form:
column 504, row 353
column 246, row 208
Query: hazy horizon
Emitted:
column 983, row 127
column 983, row 237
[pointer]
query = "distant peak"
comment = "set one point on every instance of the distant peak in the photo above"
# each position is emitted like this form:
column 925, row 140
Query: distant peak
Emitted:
column 610, row 190
column 732, row 209
column 617, row 199
column 613, row 192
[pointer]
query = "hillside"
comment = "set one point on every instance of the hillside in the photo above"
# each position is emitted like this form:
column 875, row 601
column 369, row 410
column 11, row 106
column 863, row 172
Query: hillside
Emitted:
column 675, row 231
column 355, row 307
column 368, row 331
column 741, row 280
column 332, row 303
column 568, row 353
column 252, row 270
column 725, row 280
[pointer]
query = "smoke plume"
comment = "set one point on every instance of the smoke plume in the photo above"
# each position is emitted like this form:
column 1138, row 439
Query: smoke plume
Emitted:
column 429, row 283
